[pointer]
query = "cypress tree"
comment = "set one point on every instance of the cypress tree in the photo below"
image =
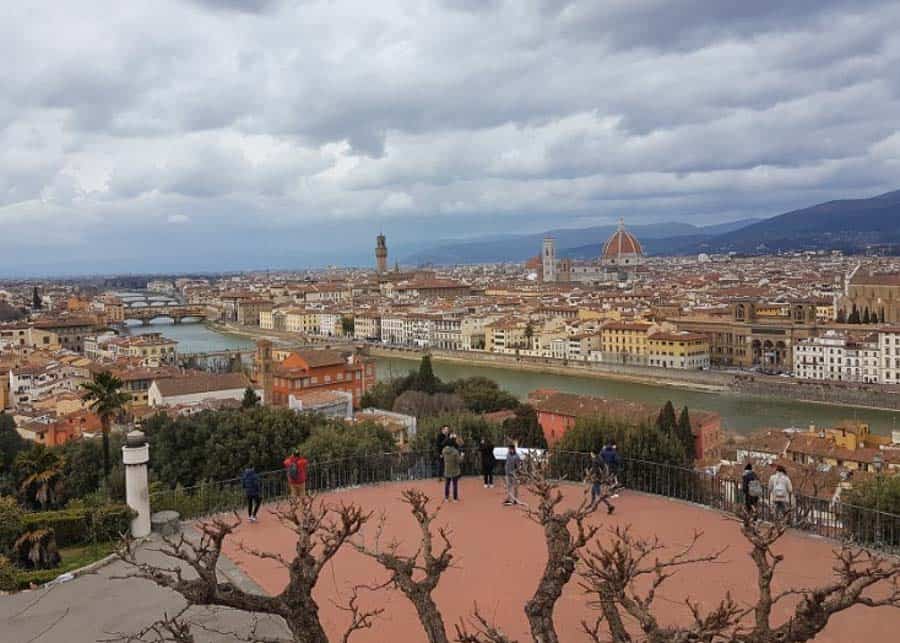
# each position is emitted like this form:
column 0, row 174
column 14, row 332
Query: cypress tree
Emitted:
column 866, row 318
column 854, row 316
column 685, row 435
column 427, row 382
column 842, row 316
column 666, row 421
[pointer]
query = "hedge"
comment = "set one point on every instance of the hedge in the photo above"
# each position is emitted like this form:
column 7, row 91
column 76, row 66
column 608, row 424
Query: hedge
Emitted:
column 82, row 525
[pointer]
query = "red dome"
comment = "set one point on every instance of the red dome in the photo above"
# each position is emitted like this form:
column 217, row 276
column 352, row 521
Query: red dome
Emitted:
column 621, row 243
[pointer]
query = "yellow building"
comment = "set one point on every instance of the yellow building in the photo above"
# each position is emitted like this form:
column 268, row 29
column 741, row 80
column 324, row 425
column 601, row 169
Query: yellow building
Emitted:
column 629, row 338
column 685, row 351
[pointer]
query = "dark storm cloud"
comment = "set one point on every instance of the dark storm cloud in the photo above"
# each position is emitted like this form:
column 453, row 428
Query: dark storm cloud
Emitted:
column 184, row 116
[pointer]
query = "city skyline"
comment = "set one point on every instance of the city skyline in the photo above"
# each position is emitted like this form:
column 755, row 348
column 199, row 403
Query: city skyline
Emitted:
column 290, row 134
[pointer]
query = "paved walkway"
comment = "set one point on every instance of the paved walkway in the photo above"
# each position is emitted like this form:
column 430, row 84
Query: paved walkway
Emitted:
column 500, row 554
column 95, row 607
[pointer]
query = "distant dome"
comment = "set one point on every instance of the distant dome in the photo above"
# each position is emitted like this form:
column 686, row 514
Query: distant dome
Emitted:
column 622, row 248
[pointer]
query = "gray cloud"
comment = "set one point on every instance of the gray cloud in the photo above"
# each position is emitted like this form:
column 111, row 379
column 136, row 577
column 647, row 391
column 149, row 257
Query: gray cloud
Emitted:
column 326, row 120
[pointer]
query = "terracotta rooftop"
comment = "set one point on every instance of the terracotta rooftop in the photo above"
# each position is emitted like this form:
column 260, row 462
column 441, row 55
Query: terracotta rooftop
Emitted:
column 205, row 383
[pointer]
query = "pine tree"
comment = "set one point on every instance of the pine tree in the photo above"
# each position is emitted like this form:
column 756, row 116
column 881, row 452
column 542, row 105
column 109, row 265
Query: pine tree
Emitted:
column 251, row 399
column 666, row 421
column 685, row 435
column 854, row 316
column 866, row 318
column 882, row 315
column 427, row 382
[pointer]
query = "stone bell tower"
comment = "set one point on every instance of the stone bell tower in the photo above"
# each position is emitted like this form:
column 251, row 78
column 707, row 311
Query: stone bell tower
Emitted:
column 381, row 254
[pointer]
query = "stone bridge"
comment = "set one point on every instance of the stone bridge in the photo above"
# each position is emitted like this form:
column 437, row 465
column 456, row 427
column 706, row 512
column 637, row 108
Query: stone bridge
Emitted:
column 145, row 314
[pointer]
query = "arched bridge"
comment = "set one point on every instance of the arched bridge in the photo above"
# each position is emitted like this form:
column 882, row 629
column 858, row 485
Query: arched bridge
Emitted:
column 178, row 313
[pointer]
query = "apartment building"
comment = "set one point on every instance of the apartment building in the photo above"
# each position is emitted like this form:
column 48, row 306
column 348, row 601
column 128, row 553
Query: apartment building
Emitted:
column 678, row 350
column 889, row 355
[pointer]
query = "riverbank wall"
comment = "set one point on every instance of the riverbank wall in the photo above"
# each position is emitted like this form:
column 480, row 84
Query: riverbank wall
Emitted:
column 755, row 385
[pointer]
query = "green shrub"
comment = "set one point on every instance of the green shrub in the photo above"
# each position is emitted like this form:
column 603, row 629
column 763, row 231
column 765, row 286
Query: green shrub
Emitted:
column 78, row 524
column 8, row 581
column 10, row 523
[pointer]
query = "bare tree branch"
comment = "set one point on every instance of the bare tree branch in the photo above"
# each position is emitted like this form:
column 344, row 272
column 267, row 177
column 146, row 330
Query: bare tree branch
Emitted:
column 404, row 569
column 483, row 631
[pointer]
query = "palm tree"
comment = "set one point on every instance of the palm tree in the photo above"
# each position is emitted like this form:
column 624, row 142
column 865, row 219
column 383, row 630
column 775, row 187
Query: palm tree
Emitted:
column 40, row 473
column 107, row 401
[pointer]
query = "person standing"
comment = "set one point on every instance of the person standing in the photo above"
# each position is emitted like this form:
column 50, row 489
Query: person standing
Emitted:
column 443, row 437
column 295, row 467
column 451, row 457
column 751, row 487
column 512, row 482
column 488, row 462
column 250, row 483
column 781, row 492
column 611, row 461
column 599, row 474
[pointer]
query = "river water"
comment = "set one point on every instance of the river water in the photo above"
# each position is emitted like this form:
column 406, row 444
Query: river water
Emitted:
column 740, row 413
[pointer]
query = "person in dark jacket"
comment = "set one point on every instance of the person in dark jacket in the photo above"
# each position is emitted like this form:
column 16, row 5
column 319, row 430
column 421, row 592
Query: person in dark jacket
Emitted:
column 443, row 439
column 599, row 474
column 250, row 483
column 751, row 487
column 452, row 457
column 488, row 462
column 513, row 461
column 611, row 461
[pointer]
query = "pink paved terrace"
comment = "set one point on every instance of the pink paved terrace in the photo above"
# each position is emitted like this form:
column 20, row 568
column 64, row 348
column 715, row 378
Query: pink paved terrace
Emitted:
column 500, row 554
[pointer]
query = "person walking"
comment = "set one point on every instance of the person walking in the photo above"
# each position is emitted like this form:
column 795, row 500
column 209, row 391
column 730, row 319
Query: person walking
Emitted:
column 443, row 437
column 610, row 456
column 295, row 467
column 250, row 483
column 488, row 462
column 451, row 458
column 752, row 489
column 598, row 474
column 512, row 482
column 781, row 492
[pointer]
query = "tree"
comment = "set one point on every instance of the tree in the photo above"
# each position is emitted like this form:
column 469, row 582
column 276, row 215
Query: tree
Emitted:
column 469, row 427
column 590, row 434
column 83, row 468
column 416, row 574
column 565, row 534
column 322, row 530
column 36, row 303
column 842, row 316
column 39, row 476
column 426, row 380
column 337, row 440
column 866, row 318
column 106, row 400
column 666, row 421
column 652, row 445
column 624, row 576
column 685, row 435
column 854, row 316
column 11, row 443
column 421, row 404
column 251, row 399
column 347, row 325
column 524, row 428
column 482, row 395
column 529, row 334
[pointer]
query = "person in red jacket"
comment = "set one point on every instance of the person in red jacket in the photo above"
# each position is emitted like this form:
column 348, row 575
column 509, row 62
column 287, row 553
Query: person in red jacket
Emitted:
column 295, row 467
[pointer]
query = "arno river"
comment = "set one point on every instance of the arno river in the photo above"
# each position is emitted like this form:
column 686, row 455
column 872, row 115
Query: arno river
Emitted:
column 741, row 414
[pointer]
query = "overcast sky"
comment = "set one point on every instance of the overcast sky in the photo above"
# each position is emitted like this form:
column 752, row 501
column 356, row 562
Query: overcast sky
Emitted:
column 219, row 134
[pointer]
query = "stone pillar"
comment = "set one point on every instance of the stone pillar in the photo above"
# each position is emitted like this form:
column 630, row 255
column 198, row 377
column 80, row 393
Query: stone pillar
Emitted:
column 135, row 456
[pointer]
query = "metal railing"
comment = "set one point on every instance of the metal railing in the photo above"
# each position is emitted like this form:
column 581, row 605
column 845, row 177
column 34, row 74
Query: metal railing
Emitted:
column 823, row 517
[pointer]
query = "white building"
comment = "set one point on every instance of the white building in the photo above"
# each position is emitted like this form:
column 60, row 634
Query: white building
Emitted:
column 837, row 357
column 889, row 355
column 197, row 389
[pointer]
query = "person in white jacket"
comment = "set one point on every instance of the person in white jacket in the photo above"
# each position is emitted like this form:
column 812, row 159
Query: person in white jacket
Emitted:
column 781, row 492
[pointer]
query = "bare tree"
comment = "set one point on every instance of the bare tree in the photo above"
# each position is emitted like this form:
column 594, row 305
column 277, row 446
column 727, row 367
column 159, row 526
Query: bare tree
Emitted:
column 612, row 572
column 321, row 531
column 416, row 574
column 483, row 631
column 565, row 534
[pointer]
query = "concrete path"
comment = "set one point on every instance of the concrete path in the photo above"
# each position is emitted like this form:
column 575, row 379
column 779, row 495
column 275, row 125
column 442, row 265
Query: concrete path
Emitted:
column 95, row 607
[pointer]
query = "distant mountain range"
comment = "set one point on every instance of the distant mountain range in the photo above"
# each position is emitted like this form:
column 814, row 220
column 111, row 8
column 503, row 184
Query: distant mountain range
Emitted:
column 573, row 242
column 850, row 225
